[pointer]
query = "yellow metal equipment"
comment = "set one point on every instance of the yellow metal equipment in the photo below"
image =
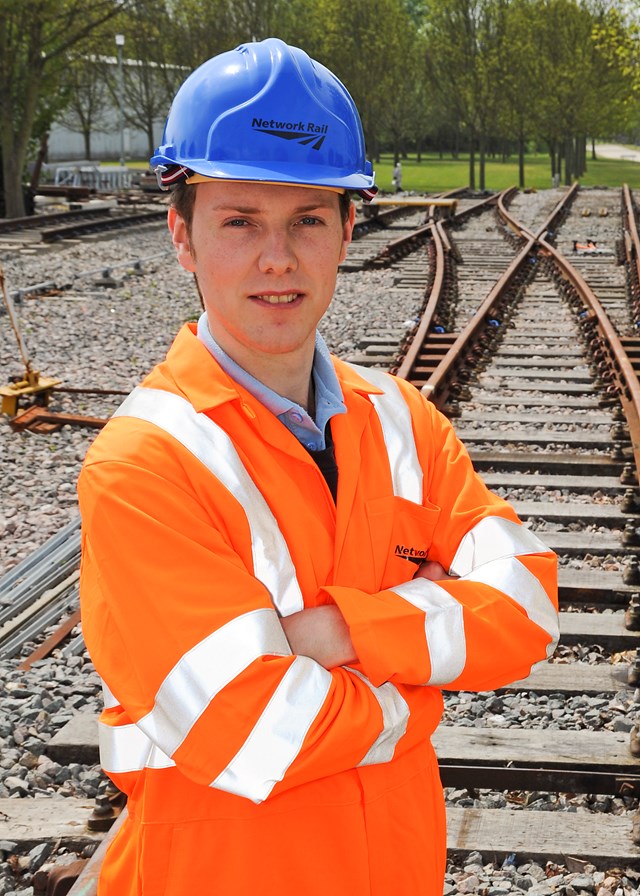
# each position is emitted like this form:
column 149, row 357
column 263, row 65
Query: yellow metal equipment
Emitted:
column 414, row 200
column 31, row 384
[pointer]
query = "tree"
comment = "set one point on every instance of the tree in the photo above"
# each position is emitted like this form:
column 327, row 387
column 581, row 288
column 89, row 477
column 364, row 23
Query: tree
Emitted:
column 365, row 43
column 35, row 37
column 203, row 28
column 87, row 98
column 455, row 72
column 145, row 84
column 616, row 44
column 519, row 88
column 566, row 69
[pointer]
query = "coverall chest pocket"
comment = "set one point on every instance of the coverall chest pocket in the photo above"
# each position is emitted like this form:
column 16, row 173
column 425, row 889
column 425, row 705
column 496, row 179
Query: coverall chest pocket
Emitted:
column 401, row 537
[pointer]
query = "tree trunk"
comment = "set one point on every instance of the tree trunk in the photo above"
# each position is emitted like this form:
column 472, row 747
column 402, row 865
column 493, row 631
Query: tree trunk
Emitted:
column 521, row 161
column 582, row 148
column 42, row 154
column 568, row 161
column 150, row 143
column 12, row 177
column 472, row 163
column 552, row 158
column 593, row 149
column 14, row 138
column 482, row 161
column 86, row 134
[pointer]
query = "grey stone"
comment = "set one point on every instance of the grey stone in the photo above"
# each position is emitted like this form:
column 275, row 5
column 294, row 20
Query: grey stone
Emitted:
column 39, row 855
column 16, row 786
column 583, row 882
column 541, row 889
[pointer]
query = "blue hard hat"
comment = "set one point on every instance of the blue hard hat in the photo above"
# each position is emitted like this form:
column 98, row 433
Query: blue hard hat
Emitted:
column 265, row 112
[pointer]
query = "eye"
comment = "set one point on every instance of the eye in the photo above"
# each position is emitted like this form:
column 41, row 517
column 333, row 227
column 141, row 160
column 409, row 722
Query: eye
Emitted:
column 310, row 219
column 237, row 222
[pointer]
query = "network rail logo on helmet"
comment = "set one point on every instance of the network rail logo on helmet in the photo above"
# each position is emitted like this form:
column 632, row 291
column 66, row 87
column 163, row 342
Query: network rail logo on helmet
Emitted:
column 304, row 134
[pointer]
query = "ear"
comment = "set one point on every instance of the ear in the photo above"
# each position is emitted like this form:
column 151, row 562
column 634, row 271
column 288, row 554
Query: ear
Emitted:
column 347, row 232
column 181, row 240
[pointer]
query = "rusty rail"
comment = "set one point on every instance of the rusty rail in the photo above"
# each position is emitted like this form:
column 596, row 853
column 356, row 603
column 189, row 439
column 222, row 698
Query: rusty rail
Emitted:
column 442, row 381
column 626, row 380
column 631, row 241
column 440, row 243
column 442, row 249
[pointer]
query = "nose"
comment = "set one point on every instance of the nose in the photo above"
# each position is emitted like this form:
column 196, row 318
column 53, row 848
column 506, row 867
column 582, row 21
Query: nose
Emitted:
column 277, row 255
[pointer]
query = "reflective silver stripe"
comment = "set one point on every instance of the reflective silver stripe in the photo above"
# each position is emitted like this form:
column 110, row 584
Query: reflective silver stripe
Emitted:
column 513, row 579
column 187, row 690
column 491, row 539
column 125, row 748
column 205, row 670
column 107, row 697
column 278, row 735
column 213, row 447
column 397, row 429
column 395, row 717
column 444, row 628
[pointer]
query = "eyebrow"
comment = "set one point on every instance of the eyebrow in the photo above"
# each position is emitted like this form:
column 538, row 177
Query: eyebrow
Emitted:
column 251, row 210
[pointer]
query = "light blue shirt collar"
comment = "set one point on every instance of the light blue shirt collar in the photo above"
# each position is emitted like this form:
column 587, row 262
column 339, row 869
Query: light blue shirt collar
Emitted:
column 329, row 399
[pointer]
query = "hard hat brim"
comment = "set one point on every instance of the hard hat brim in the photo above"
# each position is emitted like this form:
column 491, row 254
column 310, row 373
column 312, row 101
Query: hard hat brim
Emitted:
column 295, row 174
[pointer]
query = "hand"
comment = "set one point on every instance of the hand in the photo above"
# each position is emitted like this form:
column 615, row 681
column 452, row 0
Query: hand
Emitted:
column 322, row 634
column 433, row 571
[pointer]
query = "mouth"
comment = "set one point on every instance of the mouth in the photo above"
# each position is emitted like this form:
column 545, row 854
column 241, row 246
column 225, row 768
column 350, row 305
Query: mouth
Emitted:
column 273, row 299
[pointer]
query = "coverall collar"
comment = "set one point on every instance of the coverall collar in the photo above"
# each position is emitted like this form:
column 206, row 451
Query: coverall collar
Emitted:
column 207, row 386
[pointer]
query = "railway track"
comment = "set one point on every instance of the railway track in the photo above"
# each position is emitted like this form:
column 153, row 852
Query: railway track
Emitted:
column 546, row 404
column 546, row 413
column 55, row 226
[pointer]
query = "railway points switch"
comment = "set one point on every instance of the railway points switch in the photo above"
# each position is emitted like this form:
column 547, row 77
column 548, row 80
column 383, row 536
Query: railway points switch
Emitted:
column 32, row 384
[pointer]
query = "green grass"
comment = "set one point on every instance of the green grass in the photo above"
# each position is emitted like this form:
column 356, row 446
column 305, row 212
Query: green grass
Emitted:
column 434, row 174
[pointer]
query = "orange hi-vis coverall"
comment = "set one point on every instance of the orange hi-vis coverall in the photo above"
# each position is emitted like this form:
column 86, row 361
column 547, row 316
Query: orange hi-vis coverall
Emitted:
column 249, row 769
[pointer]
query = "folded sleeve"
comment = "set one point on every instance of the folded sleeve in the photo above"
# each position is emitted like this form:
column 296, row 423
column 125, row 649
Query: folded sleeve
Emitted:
column 492, row 622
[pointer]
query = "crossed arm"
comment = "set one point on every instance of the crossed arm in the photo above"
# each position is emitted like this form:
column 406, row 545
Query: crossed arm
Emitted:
column 322, row 633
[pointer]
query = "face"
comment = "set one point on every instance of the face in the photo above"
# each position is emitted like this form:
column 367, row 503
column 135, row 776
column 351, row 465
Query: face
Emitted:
column 266, row 259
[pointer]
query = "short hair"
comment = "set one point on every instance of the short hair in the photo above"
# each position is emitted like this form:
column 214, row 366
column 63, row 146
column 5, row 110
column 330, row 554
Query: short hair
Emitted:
column 183, row 197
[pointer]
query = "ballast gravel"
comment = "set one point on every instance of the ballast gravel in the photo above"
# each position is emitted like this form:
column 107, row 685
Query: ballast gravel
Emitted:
column 105, row 332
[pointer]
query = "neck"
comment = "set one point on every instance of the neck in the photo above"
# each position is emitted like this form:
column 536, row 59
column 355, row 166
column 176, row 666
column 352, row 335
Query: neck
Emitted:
column 287, row 374
column 295, row 383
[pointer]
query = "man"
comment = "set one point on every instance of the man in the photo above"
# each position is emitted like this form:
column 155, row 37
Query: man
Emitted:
column 397, row 177
column 262, row 525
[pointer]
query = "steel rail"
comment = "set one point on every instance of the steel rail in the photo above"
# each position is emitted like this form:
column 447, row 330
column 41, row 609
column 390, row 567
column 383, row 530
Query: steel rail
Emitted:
column 40, row 615
column 19, row 294
column 28, row 568
column 50, row 566
column 35, row 222
column 401, row 246
column 55, row 638
column 627, row 383
column 550, row 221
column 108, row 222
column 442, row 249
column 424, row 327
column 631, row 238
column 441, row 382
